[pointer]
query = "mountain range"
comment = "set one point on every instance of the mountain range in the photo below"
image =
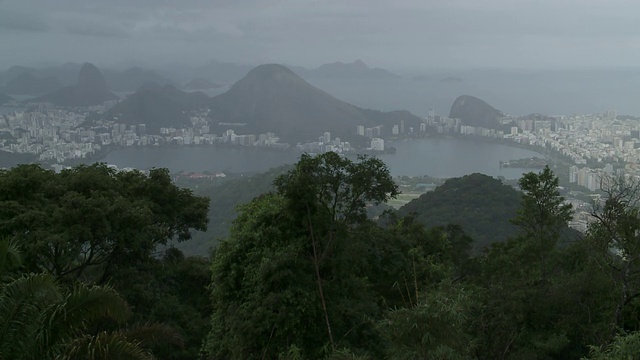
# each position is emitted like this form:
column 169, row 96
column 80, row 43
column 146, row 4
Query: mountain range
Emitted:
column 91, row 89
column 273, row 98
column 270, row 98
column 339, row 70
column 20, row 80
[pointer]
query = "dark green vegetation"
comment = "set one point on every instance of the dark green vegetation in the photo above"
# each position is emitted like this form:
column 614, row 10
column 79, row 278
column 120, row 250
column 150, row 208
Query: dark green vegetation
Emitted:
column 225, row 198
column 87, row 227
column 305, row 274
column 91, row 89
column 157, row 106
column 475, row 112
column 481, row 205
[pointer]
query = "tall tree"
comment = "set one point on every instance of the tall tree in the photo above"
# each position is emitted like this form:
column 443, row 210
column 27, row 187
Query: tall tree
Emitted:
column 86, row 221
column 289, row 276
column 615, row 235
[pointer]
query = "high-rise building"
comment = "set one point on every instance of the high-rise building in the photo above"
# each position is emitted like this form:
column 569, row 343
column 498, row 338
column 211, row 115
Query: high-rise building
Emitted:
column 368, row 133
column 432, row 113
column 377, row 144
column 327, row 137
column 394, row 130
column 401, row 126
column 360, row 130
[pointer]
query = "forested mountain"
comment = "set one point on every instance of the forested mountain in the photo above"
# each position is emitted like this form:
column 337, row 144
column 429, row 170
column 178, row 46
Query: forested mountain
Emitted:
column 481, row 205
column 91, row 89
column 157, row 106
column 224, row 199
column 475, row 112
column 273, row 98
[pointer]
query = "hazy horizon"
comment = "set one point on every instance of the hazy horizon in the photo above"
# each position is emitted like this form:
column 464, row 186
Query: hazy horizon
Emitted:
column 408, row 35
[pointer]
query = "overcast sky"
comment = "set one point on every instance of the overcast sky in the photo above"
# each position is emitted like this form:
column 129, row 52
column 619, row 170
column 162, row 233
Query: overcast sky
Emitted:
column 392, row 33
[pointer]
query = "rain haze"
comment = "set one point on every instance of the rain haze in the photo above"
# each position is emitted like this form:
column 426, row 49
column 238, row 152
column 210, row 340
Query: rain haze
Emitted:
column 320, row 179
column 393, row 34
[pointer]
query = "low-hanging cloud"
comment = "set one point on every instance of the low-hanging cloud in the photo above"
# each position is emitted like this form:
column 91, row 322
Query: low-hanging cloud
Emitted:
column 462, row 33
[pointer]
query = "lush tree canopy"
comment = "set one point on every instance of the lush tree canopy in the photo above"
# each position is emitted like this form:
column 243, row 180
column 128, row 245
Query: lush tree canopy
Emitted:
column 85, row 221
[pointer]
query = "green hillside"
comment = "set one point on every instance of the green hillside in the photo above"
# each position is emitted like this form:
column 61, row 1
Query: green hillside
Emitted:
column 478, row 203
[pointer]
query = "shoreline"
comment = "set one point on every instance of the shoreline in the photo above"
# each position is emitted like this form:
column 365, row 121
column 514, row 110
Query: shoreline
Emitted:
column 106, row 150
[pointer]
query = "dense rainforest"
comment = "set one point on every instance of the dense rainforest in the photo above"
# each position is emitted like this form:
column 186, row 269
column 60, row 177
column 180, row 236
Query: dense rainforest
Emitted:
column 88, row 270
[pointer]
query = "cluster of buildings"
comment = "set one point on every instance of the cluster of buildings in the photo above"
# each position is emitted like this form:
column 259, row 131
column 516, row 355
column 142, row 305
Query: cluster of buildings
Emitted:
column 589, row 141
column 57, row 135
column 596, row 144
column 326, row 144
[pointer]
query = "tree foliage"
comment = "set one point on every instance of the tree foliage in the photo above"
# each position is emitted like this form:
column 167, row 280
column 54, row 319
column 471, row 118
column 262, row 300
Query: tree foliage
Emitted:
column 85, row 221
column 42, row 319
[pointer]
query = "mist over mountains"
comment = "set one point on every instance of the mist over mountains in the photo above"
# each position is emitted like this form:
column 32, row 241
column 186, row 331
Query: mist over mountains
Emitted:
column 514, row 92
column 91, row 89
column 5, row 99
column 270, row 98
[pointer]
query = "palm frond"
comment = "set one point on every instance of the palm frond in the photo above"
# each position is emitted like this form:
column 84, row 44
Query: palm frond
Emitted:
column 9, row 256
column 105, row 346
column 22, row 303
column 80, row 308
column 150, row 335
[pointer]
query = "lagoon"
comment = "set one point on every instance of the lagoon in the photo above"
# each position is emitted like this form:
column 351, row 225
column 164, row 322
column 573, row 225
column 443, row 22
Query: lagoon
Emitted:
column 438, row 157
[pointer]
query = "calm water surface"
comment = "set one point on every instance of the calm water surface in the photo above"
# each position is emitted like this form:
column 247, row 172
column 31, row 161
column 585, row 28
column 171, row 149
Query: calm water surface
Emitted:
column 435, row 157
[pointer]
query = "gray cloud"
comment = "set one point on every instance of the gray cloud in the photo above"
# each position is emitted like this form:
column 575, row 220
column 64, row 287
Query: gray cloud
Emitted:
column 419, row 33
column 11, row 20
column 87, row 28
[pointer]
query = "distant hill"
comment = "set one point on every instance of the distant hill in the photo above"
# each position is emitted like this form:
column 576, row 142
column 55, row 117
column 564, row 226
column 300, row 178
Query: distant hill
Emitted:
column 273, row 98
column 225, row 198
column 5, row 99
column 201, row 84
column 14, row 72
column 29, row 84
column 355, row 70
column 132, row 79
column 91, row 89
column 475, row 112
column 157, row 106
column 480, row 204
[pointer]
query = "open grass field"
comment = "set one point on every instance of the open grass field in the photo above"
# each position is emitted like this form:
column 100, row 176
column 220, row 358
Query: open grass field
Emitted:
column 403, row 199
